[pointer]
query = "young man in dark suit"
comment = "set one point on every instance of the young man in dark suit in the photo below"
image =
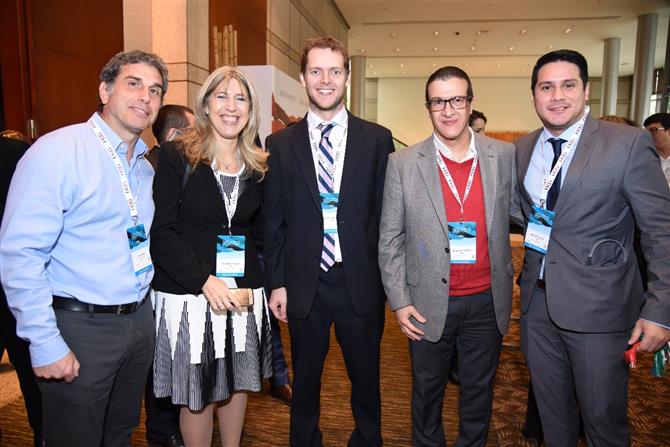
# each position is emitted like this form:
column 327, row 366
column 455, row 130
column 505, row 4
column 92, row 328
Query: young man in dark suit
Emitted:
column 584, row 185
column 323, row 195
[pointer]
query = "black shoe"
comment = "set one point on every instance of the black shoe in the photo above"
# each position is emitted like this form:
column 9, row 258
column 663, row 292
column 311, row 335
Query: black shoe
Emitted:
column 534, row 438
column 162, row 441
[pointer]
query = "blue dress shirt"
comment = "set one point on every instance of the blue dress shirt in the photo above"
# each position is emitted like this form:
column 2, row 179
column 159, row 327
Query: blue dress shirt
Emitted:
column 64, row 231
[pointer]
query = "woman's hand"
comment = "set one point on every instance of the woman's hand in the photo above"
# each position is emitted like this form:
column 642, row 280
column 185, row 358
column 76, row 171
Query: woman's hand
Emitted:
column 218, row 294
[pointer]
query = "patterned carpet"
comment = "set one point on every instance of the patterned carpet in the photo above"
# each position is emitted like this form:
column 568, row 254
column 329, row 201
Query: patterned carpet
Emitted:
column 267, row 419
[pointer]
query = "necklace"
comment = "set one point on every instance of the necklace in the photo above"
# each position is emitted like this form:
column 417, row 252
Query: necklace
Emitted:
column 228, row 166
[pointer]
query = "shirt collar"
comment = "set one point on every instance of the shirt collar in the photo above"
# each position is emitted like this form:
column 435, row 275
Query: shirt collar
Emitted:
column 447, row 152
column 341, row 119
column 565, row 135
column 117, row 143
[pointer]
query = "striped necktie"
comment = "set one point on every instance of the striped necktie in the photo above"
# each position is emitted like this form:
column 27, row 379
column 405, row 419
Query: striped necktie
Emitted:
column 326, row 185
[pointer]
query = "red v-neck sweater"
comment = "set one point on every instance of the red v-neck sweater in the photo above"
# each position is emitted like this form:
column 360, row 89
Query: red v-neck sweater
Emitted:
column 467, row 279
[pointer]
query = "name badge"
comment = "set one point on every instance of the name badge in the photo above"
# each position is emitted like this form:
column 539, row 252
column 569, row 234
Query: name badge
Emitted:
column 463, row 242
column 329, row 210
column 538, row 230
column 139, row 249
column 230, row 256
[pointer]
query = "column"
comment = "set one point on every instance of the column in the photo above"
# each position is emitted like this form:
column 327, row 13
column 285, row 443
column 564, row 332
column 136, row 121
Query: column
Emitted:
column 610, row 77
column 358, row 85
column 645, row 48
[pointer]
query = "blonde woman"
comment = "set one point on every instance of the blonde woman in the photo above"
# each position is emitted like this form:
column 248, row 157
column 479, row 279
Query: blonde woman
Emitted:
column 211, row 347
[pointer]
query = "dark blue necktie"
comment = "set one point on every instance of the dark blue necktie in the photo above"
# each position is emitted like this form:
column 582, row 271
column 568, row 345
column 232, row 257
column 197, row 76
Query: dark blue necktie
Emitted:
column 552, row 195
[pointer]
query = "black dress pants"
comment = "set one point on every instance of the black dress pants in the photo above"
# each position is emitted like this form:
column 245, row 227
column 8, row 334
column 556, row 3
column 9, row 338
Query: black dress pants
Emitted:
column 101, row 407
column 471, row 327
column 359, row 337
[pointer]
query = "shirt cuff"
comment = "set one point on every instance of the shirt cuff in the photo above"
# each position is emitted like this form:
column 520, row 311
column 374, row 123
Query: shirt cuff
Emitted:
column 49, row 352
column 657, row 324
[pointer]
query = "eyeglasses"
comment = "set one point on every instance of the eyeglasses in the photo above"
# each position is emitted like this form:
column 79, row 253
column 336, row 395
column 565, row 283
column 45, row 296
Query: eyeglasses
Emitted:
column 655, row 130
column 439, row 104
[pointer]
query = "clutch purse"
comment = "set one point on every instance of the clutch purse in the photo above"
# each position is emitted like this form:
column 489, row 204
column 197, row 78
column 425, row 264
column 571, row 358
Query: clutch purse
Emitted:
column 244, row 296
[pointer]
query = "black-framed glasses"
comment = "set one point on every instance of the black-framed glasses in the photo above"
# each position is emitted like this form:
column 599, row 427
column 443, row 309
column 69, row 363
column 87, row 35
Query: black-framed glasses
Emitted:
column 655, row 130
column 456, row 102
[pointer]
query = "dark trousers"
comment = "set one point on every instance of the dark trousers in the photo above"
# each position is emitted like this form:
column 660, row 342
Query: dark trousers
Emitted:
column 359, row 337
column 279, row 366
column 102, row 405
column 574, row 372
column 162, row 419
column 19, row 356
column 471, row 328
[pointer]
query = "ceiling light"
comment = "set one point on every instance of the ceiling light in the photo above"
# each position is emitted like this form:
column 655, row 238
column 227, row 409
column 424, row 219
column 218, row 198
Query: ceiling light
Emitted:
column 404, row 72
column 435, row 49
column 401, row 65
column 374, row 73
column 498, row 64
column 549, row 47
column 510, row 48
column 433, row 65
column 523, row 31
column 567, row 30
column 436, row 33
column 465, row 64
column 354, row 35
column 473, row 47
column 393, row 34
column 397, row 50
column 371, row 66
column 362, row 50
column 482, row 31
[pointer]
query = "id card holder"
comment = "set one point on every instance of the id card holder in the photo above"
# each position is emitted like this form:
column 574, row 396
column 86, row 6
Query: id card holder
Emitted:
column 463, row 242
column 230, row 256
column 329, row 210
column 538, row 230
column 139, row 249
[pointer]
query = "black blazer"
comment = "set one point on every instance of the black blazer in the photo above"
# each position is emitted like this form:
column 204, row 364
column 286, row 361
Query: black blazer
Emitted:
column 293, row 233
column 183, row 236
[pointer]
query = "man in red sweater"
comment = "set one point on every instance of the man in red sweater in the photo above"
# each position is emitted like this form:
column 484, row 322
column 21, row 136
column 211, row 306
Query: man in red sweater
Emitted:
column 445, row 258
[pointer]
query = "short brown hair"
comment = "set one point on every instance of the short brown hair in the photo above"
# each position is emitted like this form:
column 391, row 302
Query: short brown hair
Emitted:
column 324, row 42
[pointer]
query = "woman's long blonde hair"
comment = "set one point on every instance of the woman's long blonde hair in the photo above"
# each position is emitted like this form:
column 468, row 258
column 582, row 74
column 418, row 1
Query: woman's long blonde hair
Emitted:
column 200, row 144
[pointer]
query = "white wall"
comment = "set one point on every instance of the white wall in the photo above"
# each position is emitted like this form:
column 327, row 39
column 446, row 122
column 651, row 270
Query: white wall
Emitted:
column 506, row 102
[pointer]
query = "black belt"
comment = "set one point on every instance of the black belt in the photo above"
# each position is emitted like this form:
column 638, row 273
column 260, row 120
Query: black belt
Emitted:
column 336, row 265
column 74, row 305
column 540, row 284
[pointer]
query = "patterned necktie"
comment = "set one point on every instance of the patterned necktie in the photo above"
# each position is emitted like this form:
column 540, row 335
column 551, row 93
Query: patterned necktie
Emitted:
column 326, row 185
column 552, row 194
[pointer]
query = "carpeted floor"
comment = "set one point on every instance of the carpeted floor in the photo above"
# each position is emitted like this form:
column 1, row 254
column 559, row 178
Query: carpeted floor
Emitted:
column 267, row 419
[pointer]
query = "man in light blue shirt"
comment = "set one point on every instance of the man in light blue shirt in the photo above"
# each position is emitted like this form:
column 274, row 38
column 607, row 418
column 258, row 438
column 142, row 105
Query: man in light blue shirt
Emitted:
column 584, row 186
column 74, row 259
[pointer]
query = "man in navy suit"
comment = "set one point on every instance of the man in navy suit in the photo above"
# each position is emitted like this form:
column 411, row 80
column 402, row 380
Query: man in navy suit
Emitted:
column 323, row 195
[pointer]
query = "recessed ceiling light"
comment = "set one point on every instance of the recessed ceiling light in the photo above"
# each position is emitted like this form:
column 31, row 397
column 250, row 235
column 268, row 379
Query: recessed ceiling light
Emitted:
column 523, row 31
column 362, row 50
column 354, row 35
column 404, row 72
column 482, row 31
column 473, row 47
column 510, row 48
column 433, row 65
column 498, row 64
column 436, row 33
column 549, row 47
column 371, row 66
column 397, row 50
column 435, row 49
column 401, row 65
column 374, row 73
column 393, row 34
column 465, row 64
column 567, row 30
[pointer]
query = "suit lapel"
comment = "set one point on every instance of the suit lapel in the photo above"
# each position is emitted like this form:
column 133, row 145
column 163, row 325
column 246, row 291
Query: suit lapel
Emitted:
column 210, row 186
column 352, row 153
column 303, row 153
column 488, row 166
column 430, row 175
column 578, row 163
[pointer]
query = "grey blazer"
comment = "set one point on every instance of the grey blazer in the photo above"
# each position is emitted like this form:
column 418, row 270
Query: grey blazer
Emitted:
column 413, row 243
column 592, row 279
